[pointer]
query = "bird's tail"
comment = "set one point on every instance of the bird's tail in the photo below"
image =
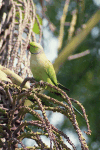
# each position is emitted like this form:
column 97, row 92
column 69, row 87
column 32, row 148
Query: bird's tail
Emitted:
column 62, row 87
column 77, row 110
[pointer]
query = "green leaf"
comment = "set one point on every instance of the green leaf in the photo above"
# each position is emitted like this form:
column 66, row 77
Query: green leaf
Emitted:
column 36, row 27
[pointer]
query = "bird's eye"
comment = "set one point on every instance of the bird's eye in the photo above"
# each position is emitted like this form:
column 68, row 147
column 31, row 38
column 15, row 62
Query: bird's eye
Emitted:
column 28, row 47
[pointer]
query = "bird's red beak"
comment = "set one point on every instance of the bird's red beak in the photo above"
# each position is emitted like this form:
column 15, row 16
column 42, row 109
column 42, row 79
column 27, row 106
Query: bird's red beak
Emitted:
column 28, row 47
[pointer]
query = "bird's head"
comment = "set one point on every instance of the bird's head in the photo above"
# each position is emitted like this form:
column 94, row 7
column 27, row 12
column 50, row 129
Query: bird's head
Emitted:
column 34, row 47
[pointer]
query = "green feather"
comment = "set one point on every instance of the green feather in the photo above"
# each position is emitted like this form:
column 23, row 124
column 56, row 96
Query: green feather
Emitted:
column 51, row 73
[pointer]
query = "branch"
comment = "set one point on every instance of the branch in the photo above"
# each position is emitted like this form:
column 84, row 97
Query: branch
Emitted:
column 62, row 23
column 76, row 41
column 82, row 54
column 16, row 79
column 72, row 25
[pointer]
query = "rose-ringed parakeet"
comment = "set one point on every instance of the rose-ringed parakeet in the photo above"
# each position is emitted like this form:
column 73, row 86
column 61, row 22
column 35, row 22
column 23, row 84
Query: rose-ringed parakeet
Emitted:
column 41, row 67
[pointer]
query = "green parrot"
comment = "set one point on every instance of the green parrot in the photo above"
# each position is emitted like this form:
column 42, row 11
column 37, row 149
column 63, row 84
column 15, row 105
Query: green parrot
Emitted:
column 41, row 67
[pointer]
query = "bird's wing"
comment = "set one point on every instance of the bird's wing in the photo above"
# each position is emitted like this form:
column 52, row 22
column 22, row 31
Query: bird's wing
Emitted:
column 51, row 73
column 62, row 87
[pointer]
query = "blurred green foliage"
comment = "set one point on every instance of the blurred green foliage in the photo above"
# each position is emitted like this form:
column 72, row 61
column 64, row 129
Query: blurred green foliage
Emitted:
column 36, row 27
column 81, row 75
